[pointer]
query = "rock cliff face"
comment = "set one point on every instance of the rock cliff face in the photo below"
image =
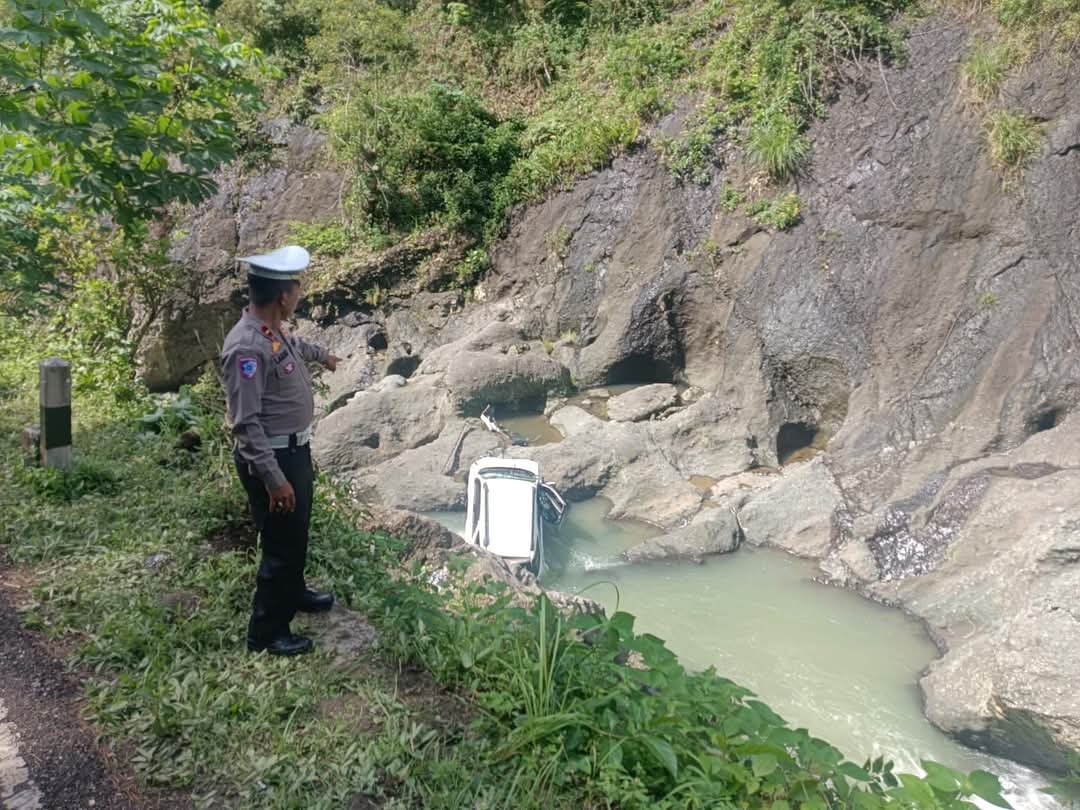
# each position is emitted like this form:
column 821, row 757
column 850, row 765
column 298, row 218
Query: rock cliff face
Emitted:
column 251, row 210
column 919, row 327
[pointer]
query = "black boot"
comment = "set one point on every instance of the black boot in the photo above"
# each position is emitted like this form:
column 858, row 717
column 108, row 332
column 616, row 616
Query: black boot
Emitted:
column 284, row 644
column 315, row 601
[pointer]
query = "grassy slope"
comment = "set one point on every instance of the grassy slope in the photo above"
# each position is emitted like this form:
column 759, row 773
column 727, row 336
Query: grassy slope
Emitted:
column 570, row 86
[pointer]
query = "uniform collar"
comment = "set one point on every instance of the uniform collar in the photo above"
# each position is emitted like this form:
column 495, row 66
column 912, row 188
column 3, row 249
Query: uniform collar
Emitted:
column 264, row 328
column 262, row 325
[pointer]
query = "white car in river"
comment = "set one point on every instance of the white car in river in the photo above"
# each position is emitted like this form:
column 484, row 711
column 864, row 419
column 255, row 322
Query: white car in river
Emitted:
column 508, row 506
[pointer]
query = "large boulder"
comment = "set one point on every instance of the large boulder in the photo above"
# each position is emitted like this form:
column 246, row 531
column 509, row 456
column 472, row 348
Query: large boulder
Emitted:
column 583, row 463
column 381, row 422
column 251, row 212
column 795, row 511
column 709, row 438
column 429, row 478
column 641, row 403
column 1001, row 599
column 356, row 340
column 1013, row 693
column 619, row 460
column 523, row 376
column 712, row 531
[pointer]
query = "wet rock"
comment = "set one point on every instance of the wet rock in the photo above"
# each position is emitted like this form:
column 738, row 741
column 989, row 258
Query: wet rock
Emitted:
column 852, row 567
column 795, row 511
column 1004, row 693
column 712, row 531
column 901, row 549
column 641, row 403
column 1002, row 603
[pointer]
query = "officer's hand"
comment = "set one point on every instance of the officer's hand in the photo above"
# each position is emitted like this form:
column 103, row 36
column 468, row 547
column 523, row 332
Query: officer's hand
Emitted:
column 331, row 363
column 283, row 499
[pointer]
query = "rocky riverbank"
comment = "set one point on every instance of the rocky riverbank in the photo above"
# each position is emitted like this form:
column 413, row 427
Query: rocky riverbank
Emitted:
column 913, row 340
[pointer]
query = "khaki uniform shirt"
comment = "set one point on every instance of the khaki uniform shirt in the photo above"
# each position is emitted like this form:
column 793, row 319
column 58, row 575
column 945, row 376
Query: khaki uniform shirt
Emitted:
column 268, row 389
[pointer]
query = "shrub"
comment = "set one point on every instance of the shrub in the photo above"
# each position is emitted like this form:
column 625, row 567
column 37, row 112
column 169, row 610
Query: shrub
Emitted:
column 1014, row 139
column 776, row 145
column 640, row 60
column 730, row 197
column 539, row 52
column 781, row 213
column 278, row 27
column 985, row 68
column 434, row 156
column 331, row 239
column 84, row 478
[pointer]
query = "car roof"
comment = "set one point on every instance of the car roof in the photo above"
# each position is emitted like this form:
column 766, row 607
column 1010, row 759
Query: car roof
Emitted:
column 511, row 505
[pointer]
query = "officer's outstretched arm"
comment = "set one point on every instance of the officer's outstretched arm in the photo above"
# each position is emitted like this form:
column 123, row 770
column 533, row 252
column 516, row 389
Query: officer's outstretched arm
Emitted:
column 311, row 351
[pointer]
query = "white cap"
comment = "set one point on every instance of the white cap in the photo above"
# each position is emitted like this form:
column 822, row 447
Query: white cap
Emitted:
column 283, row 264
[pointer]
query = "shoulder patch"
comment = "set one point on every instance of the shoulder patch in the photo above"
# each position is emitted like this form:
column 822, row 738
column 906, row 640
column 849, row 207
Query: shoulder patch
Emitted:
column 248, row 366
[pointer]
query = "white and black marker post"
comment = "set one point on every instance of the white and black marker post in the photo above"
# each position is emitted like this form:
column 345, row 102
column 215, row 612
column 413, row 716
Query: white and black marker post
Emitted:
column 56, row 413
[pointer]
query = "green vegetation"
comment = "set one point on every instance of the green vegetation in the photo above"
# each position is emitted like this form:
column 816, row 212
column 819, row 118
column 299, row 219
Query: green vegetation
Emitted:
column 435, row 156
column 141, row 565
column 781, row 213
column 1014, row 139
column 770, row 71
column 1024, row 28
column 1058, row 19
column 986, row 66
column 731, row 198
column 451, row 113
column 558, row 241
column 775, row 145
column 331, row 239
column 1066, row 789
column 108, row 108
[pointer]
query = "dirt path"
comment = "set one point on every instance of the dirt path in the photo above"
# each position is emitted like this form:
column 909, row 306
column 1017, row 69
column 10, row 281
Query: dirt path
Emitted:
column 49, row 758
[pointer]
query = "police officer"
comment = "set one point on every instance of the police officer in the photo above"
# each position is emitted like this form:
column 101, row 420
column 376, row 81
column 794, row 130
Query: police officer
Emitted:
column 271, row 405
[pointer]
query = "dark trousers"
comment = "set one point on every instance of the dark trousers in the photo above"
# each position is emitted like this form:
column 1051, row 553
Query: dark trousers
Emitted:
column 279, row 585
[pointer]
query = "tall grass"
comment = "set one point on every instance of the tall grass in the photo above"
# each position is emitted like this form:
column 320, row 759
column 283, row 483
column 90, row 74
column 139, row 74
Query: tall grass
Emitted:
column 1014, row 139
column 985, row 67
